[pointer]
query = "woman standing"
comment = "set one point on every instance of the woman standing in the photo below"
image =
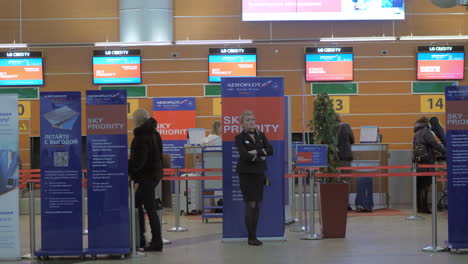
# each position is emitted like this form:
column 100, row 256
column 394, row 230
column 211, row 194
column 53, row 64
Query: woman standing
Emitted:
column 424, row 144
column 253, row 147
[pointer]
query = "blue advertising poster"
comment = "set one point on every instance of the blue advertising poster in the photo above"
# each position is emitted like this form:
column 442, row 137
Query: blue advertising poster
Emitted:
column 61, row 176
column 174, row 115
column 9, row 192
column 107, row 154
column 311, row 156
column 265, row 97
column 457, row 166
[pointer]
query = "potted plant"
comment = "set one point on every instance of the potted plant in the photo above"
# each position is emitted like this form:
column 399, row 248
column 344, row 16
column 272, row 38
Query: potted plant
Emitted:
column 332, row 191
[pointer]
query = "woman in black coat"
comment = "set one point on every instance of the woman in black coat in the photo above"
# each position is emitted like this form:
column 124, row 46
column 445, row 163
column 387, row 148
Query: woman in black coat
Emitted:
column 253, row 147
column 424, row 136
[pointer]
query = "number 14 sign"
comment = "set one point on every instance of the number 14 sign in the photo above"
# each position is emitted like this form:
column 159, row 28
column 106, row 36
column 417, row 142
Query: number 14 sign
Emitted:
column 433, row 103
column 312, row 156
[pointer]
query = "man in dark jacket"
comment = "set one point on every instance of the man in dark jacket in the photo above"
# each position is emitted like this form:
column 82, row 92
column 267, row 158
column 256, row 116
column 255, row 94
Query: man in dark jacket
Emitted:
column 424, row 136
column 345, row 140
column 145, row 168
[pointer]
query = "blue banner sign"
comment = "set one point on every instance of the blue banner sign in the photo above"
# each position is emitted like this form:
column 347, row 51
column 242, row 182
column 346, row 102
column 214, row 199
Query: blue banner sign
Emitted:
column 265, row 97
column 457, row 166
column 61, row 176
column 108, row 211
column 311, row 156
column 9, row 192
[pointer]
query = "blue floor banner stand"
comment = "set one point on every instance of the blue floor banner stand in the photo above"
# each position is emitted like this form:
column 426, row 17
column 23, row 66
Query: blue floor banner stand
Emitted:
column 9, row 191
column 265, row 97
column 457, row 166
column 107, row 154
column 61, row 177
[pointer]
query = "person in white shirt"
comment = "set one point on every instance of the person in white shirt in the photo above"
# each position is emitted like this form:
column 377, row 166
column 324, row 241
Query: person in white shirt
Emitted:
column 213, row 139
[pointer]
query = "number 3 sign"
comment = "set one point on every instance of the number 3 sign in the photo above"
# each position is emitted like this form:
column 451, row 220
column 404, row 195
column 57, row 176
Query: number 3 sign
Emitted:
column 341, row 104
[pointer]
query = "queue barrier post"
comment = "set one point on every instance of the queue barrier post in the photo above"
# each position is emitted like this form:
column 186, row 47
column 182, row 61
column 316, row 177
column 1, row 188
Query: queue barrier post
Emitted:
column 301, row 226
column 84, row 206
column 292, row 202
column 177, row 227
column 159, row 194
column 434, row 248
column 415, row 215
column 32, row 223
column 311, row 235
column 133, row 234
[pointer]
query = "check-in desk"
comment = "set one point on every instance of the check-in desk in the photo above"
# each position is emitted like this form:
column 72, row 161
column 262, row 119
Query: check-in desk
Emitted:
column 365, row 155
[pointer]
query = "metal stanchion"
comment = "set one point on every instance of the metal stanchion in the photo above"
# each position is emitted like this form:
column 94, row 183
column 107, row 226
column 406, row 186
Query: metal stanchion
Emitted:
column 292, row 202
column 177, row 227
column 434, row 248
column 415, row 215
column 32, row 223
column 311, row 235
column 300, row 227
column 85, row 206
column 133, row 234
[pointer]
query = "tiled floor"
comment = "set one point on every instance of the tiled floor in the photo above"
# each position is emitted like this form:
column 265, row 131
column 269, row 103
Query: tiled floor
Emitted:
column 370, row 239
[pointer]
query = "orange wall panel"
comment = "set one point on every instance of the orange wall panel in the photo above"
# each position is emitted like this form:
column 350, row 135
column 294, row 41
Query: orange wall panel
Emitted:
column 207, row 7
column 44, row 9
column 175, row 90
column 9, row 31
column 70, row 31
column 10, row 9
column 24, row 141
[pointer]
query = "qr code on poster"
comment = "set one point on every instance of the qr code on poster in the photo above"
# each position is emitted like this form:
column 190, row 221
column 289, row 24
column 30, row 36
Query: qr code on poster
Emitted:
column 60, row 159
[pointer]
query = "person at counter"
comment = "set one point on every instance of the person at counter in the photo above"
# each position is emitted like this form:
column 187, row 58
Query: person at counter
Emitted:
column 213, row 139
column 146, row 169
column 253, row 147
column 345, row 140
column 424, row 146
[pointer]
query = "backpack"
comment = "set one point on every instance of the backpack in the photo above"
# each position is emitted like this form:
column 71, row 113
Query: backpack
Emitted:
column 420, row 152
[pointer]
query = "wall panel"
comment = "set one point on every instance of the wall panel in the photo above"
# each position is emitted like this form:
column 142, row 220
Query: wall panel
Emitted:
column 49, row 9
column 70, row 31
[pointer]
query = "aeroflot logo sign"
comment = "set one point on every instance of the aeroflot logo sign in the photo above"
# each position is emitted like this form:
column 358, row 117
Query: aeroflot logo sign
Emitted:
column 248, row 85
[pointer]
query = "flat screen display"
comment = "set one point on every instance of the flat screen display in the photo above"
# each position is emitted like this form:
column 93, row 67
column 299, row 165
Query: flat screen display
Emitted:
column 329, row 64
column 117, row 67
column 446, row 63
column 232, row 65
column 21, row 71
column 303, row 10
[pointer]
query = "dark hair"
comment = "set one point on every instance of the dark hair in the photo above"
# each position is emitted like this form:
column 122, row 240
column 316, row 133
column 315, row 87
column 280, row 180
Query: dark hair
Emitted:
column 423, row 119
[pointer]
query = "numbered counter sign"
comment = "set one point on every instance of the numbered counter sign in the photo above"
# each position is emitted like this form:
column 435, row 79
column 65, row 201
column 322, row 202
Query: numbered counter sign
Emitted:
column 433, row 103
column 24, row 109
column 341, row 104
column 132, row 106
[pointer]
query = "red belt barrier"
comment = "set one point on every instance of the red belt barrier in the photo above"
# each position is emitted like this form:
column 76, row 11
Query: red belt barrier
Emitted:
column 33, row 170
column 432, row 166
column 200, row 170
column 376, row 167
column 394, row 174
column 295, row 175
column 194, row 178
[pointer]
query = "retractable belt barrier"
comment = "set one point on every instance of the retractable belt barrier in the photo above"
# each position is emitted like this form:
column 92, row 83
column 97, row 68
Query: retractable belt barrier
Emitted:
column 31, row 178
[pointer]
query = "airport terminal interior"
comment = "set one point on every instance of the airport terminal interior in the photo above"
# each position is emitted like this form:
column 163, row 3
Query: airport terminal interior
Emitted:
column 79, row 72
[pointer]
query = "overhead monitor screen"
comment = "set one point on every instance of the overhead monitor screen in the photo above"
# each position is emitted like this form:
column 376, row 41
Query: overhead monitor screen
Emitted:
column 117, row 67
column 21, row 68
column 294, row 10
column 232, row 62
column 441, row 63
column 329, row 64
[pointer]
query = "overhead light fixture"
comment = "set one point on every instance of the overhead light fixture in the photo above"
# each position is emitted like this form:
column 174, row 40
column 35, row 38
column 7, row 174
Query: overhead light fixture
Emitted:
column 132, row 44
column 333, row 39
column 13, row 45
column 452, row 37
column 213, row 42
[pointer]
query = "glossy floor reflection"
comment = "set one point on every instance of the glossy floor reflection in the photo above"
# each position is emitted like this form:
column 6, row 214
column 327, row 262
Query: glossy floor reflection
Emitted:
column 370, row 239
